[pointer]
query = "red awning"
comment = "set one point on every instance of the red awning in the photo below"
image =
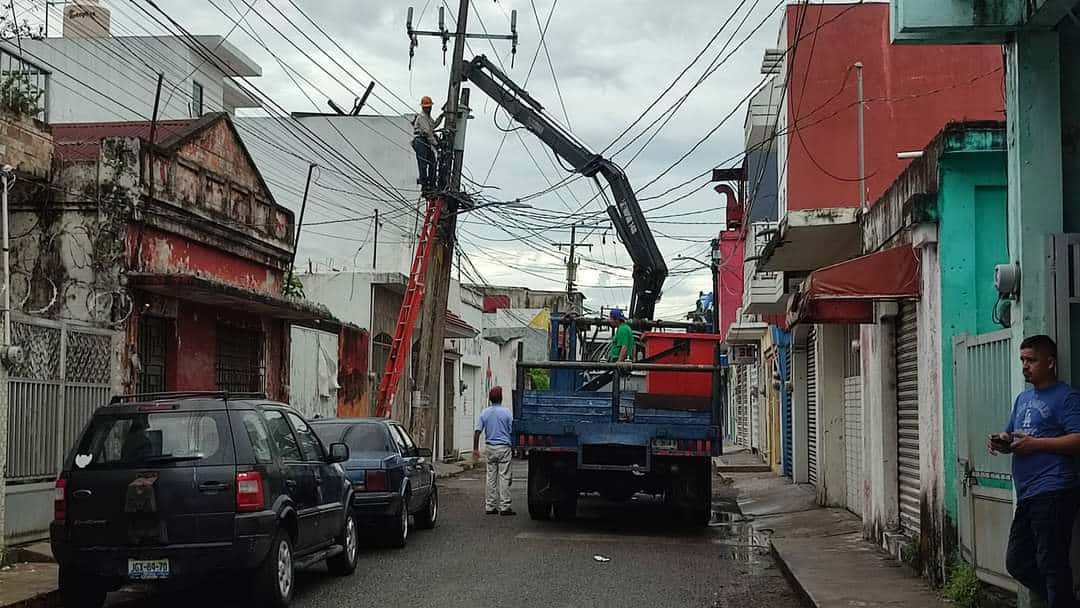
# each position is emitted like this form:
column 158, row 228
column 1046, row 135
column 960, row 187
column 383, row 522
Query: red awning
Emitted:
column 456, row 327
column 845, row 292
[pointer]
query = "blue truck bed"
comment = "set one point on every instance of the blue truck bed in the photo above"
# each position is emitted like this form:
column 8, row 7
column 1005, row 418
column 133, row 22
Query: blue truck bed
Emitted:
column 588, row 418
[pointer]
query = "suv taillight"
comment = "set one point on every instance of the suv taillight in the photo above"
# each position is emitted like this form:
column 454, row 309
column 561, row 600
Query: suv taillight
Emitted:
column 376, row 481
column 249, row 492
column 60, row 500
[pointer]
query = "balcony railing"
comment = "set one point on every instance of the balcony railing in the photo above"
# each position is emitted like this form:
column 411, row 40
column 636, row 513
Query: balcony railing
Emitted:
column 24, row 86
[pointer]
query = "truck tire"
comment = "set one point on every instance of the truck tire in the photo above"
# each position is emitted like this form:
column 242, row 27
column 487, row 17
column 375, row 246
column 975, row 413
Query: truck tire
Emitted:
column 566, row 508
column 539, row 478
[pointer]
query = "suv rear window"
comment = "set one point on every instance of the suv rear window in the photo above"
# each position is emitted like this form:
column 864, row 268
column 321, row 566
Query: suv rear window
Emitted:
column 158, row 439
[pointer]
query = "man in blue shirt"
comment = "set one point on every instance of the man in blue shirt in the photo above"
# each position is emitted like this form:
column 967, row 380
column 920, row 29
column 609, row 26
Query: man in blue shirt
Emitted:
column 1043, row 435
column 497, row 424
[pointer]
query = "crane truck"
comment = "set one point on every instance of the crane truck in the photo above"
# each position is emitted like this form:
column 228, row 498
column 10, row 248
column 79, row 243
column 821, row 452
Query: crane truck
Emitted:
column 597, row 435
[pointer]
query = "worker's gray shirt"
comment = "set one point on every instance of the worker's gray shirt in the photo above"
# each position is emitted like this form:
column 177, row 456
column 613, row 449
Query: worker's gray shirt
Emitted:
column 424, row 126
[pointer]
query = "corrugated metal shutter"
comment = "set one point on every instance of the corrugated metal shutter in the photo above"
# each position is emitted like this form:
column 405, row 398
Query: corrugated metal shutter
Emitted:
column 742, row 412
column 811, row 404
column 786, row 400
column 907, row 419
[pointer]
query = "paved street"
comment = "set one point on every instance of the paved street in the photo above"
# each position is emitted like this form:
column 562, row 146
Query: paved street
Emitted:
column 474, row 561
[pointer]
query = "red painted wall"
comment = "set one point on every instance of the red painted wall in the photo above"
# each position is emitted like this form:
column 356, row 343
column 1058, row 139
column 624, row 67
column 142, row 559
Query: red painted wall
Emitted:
column 730, row 277
column 911, row 92
column 193, row 349
column 169, row 253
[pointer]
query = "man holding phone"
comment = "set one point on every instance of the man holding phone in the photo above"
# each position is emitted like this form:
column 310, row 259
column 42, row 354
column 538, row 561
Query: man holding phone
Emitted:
column 1043, row 435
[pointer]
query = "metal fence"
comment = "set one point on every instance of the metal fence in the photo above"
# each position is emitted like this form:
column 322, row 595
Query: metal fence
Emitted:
column 66, row 375
column 21, row 79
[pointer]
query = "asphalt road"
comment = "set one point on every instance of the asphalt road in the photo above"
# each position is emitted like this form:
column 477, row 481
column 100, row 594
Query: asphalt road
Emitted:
column 472, row 560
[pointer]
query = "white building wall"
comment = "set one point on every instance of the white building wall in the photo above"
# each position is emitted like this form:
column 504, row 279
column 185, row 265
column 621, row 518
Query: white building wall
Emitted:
column 877, row 347
column 365, row 164
column 105, row 79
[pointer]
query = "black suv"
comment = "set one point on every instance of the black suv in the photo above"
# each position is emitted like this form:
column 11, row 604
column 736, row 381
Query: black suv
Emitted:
column 167, row 488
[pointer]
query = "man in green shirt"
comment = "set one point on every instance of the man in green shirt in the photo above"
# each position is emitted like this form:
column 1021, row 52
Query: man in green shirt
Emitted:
column 622, row 347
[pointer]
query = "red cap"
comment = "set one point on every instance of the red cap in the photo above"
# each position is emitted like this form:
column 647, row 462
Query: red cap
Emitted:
column 495, row 394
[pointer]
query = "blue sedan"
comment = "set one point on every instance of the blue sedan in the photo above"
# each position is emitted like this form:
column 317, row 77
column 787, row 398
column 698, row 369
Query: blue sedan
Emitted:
column 392, row 478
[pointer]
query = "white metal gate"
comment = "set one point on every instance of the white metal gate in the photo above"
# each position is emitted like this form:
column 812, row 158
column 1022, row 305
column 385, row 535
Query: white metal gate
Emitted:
column 313, row 372
column 742, row 409
column 907, row 417
column 853, row 423
column 754, row 403
column 811, row 404
column 466, row 412
column 65, row 376
column 982, row 386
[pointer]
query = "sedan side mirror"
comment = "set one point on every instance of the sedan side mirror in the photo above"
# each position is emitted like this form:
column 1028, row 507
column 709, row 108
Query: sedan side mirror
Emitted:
column 339, row 452
column 423, row 452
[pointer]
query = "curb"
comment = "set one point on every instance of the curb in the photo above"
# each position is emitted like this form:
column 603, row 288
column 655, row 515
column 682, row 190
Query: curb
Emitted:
column 804, row 595
column 48, row 599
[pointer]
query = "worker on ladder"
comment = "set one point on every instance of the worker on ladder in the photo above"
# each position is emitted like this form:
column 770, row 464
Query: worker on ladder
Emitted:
column 425, row 144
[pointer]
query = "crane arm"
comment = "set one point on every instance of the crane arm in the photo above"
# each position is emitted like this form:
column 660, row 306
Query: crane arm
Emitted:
column 650, row 270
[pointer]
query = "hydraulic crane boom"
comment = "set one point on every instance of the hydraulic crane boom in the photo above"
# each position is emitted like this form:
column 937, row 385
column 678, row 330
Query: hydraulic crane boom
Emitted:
column 649, row 267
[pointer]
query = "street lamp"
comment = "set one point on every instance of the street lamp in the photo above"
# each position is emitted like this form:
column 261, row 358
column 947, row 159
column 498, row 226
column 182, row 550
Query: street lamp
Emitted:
column 715, row 268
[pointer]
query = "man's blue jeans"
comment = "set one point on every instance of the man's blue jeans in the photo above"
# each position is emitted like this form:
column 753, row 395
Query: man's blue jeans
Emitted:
column 1038, row 555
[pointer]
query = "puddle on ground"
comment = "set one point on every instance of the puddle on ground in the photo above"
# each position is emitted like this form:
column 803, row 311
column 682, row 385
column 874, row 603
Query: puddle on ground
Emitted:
column 722, row 518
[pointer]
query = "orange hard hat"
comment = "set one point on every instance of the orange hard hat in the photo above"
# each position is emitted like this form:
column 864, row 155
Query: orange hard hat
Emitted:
column 425, row 102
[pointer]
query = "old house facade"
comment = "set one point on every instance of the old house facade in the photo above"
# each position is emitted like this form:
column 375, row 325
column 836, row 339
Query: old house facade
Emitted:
column 143, row 267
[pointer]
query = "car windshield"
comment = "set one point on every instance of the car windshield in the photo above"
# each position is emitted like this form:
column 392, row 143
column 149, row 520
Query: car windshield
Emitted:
column 160, row 439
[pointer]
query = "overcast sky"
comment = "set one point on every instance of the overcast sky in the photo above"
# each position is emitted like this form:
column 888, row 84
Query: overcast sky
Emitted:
column 611, row 59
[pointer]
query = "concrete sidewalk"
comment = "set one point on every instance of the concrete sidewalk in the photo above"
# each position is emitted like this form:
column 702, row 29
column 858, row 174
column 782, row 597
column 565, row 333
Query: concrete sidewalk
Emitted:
column 822, row 550
column 28, row 579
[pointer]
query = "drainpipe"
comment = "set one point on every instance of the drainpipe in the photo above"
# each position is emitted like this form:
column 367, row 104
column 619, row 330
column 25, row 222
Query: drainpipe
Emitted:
column 862, row 138
column 6, row 177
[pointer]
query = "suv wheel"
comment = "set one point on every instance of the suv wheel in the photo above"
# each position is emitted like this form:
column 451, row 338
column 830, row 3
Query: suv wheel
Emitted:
column 426, row 518
column 276, row 577
column 81, row 591
column 344, row 563
column 399, row 535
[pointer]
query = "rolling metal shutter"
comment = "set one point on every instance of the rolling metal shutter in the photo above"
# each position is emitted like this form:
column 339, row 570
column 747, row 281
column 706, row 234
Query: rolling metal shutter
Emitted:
column 811, row 404
column 785, row 397
column 907, row 419
column 753, row 401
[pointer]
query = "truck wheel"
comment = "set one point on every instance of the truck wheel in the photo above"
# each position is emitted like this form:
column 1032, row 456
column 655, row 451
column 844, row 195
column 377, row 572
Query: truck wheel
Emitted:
column 539, row 479
column 539, row 511
column 566, row 508
column 78, row 591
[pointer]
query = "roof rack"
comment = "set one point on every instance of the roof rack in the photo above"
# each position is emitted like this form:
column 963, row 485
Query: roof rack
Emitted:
column 184, row 395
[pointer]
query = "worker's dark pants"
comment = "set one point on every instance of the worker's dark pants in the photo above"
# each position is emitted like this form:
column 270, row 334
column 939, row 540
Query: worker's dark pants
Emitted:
column 1038, row 555
column 425, row 161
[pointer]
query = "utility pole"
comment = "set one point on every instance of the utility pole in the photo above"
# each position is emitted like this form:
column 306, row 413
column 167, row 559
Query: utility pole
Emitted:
column 432, row 329
column 375, row 251
column 572, row 263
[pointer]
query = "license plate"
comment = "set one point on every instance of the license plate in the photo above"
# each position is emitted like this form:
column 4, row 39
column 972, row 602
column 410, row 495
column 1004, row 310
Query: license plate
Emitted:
column 663, row 444
column 146, row 569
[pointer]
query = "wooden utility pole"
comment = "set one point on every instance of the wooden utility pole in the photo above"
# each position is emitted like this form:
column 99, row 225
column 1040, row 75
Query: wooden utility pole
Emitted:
column 432, row 329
